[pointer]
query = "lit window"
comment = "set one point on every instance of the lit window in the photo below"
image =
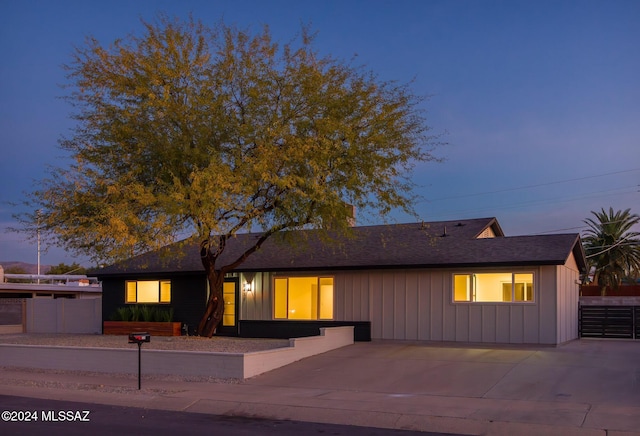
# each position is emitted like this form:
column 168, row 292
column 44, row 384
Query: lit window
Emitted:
column 303, row 298
column 493, row 287
column 229, row 298
column 148, row 291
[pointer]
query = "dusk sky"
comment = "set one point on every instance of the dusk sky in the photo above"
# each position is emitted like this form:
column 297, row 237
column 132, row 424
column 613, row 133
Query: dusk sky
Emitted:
column 540, row 100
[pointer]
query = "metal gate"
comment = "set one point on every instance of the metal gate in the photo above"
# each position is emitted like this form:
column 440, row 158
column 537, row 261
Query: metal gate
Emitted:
column 12, row 315
column 614, row 322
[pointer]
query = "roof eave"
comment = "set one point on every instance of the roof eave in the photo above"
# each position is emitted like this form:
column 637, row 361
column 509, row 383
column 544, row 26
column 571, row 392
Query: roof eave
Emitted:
column 579, row 254
column 507, row 264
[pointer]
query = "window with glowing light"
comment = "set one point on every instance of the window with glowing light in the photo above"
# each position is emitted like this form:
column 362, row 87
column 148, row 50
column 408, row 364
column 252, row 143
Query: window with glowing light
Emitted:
column 493, row 287
column 303, row 298
column 148, row 291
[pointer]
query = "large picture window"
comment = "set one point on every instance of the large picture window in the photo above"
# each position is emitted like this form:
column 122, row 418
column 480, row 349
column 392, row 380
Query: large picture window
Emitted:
column 303, row 298
column 493, row 287
column 148, row 291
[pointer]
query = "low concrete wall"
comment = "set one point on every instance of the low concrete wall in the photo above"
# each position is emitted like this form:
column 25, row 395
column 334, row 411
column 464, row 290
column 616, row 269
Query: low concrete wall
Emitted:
column 220, row 365
column 64, row 315
column 610, row 301
column 330, row 338
column 622, row 291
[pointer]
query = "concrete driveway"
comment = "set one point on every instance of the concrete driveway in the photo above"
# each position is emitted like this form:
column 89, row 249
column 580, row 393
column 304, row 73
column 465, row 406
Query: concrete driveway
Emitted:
column 585, row 384
column 586, row 387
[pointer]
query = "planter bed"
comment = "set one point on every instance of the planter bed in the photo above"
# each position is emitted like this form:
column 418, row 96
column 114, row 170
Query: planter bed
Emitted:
column 153, row 328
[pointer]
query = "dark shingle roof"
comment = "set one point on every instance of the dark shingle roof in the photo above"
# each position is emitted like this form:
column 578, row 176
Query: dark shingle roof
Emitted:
column 434, row 244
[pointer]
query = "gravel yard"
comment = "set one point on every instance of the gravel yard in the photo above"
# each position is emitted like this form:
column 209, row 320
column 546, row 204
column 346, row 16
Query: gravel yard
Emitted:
column 182, row 343
column 28, row 376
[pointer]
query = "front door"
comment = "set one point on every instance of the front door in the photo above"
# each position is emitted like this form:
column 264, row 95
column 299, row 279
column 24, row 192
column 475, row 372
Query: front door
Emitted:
column 230, row 291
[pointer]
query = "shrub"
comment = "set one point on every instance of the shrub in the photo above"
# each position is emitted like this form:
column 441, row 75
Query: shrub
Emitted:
column 134, row 313
column 121, row 314
column 147, row 313
column 164, row 315
column 143, row 313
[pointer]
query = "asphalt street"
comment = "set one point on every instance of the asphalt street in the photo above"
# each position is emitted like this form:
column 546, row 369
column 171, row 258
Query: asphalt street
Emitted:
column 30, row 416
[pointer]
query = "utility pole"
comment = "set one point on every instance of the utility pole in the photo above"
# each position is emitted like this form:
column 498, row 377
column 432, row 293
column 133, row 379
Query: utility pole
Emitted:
column 38, row 233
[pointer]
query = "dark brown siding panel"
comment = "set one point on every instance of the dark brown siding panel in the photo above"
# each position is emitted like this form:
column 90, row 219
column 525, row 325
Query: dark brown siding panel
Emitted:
column 188, row 299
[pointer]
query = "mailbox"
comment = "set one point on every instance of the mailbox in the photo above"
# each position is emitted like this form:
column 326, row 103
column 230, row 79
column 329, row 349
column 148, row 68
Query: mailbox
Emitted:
column 139, row 338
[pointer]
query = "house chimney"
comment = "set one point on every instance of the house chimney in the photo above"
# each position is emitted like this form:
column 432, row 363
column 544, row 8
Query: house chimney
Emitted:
column 351, row 214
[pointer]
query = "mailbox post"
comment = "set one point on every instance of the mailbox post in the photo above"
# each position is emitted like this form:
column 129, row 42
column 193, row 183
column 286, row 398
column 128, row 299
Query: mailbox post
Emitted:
column 139, row 338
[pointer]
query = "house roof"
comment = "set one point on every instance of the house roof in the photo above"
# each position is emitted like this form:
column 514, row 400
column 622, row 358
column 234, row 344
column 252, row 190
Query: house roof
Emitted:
column 416, row 245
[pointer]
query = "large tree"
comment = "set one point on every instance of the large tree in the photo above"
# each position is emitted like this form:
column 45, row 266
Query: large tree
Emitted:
column 612, row 247
column 187, row 130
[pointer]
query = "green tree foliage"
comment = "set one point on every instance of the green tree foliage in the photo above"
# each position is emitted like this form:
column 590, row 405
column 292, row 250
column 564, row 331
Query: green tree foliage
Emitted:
column 63, row 268
column 612, row 247
column 191, row 130
column 15, row 270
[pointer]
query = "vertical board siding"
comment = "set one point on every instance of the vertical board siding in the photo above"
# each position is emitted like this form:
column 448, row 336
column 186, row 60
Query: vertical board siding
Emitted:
column 346, row 311
column 364, row 298
column 400, row 313
column 248, row 305
column 449, row 309
column 489, row 332
column 503, row 324
column 412, row 297
column 388, row 306
column 247, row 300
column 417, row 305
column 256, row 305
column 531, row 329
column 424, row 306
column 547, row 305
column 377, row 305
column 266, row 300
column 437, row 307
column 562, row 302
column 567, row 301
column 461, row 320
column 340, row 282
column 352, row 304
column 516, row 324
column 573, row 301
column 475, row 323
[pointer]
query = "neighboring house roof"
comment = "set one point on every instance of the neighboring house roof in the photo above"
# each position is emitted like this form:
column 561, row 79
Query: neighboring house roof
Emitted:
column 52, row 283
column 458, row 243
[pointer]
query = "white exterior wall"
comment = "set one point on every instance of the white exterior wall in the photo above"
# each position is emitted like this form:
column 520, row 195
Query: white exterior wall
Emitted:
column 568, row 297
column 418, row 305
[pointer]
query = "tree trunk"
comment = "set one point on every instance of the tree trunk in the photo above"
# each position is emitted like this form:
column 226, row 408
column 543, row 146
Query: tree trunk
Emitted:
column 215, row 305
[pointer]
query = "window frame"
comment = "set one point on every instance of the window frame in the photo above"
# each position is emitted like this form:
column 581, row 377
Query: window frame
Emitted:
column 513, row 273
column 318, row 301
column 160, row 300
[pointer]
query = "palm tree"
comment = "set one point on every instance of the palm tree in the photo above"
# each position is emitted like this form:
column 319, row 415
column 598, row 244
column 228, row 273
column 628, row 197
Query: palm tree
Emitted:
column 612, row 247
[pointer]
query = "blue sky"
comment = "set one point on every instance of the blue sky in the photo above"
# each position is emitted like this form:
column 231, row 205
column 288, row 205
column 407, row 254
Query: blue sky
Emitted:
column 540, row 99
